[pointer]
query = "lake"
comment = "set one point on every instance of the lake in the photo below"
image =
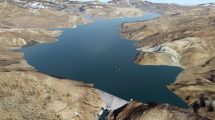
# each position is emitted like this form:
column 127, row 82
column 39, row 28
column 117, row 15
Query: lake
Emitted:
column 96, row 53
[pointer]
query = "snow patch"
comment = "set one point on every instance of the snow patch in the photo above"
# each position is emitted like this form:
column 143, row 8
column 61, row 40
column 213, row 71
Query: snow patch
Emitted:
column 36, row 5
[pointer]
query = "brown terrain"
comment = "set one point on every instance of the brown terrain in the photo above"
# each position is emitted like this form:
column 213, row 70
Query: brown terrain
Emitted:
column 186, row 40
column 110, row 11
column 183, row 38
column 151, row 111
column 16, row 17
column 27, row 94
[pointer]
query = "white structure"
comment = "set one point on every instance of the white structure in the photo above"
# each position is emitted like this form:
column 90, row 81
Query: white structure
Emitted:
column 112, row 102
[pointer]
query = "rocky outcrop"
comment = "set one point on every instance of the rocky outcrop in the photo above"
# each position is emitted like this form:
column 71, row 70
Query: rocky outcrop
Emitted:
column 186, row 40
column 151, row 111
column 196, row 86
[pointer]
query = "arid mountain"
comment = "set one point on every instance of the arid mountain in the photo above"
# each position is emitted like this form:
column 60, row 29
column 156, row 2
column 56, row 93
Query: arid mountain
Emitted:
column 183, row 37
column 27, row 94
column 147, row 6
column 151, row 111
column 186, row 40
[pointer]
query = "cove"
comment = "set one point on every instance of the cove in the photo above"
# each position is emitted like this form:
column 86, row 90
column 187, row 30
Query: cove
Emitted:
column 96, row 53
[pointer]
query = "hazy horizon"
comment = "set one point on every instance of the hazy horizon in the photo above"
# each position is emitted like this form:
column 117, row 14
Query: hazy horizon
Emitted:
column 183, row 2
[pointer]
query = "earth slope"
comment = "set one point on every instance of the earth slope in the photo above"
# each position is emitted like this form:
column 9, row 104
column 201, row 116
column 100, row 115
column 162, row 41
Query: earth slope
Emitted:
column 25, row 92
column 185, row 39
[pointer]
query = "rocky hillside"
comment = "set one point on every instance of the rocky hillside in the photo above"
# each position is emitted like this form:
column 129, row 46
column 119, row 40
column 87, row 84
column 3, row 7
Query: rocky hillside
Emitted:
column 186, row 40
column 151, row 111
column 147, row 6
column 38, row 4
column 13, row 16
column 27, row 94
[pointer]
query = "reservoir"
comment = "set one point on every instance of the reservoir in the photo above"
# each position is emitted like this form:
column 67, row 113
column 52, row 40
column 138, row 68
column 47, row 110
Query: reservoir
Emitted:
column 96, row 53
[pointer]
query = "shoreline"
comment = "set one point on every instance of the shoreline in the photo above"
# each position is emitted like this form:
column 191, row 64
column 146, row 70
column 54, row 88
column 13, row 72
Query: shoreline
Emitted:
column 186, row 33
column 152, row 65
column 30, row 94
column 23, row 87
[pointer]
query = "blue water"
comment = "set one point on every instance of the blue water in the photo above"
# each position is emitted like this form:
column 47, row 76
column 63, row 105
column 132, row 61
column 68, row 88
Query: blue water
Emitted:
column 96, row 53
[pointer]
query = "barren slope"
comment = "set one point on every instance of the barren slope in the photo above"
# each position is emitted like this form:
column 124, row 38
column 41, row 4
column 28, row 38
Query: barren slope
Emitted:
column 186, row 40
column 26, row 93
